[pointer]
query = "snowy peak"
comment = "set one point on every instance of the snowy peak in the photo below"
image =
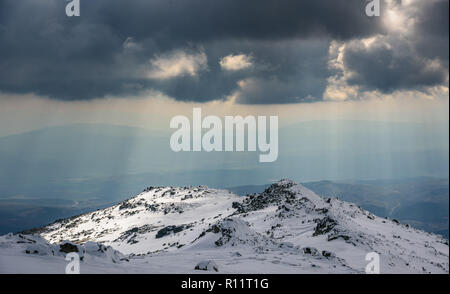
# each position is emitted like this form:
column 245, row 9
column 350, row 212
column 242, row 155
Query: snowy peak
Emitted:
column 285, row 194
column 159, row 218
column 286, row 228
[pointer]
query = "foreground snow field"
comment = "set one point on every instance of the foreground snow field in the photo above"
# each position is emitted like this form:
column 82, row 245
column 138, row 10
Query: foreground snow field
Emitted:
column 285, row 229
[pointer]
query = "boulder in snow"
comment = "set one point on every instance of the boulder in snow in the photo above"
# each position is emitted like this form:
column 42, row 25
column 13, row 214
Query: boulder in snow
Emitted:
column 207, row 265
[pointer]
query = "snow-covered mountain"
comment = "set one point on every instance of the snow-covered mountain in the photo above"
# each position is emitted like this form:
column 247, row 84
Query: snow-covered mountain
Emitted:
column 285, row 229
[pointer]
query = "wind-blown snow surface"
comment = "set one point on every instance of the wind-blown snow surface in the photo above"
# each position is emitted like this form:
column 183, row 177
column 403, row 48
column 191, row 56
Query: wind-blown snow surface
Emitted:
column 285, row 229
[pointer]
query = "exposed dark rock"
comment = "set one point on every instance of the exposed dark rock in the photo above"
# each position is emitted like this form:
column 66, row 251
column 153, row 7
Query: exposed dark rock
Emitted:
column 310, row 250
column 126, row 205
column 169, row 230
column 328, row 254
column 68, row 247
column 238, row 206
column 337, row 236
column 148, row 189
column 186, row 197
column 324, row 226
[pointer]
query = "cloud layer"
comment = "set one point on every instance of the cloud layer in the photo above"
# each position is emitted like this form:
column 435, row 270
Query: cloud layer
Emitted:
column 255, row 52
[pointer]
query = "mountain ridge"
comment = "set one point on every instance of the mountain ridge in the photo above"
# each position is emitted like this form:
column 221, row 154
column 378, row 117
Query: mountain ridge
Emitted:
column 287, row 228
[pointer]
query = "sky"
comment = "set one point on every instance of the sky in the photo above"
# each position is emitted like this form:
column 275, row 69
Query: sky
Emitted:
column 257, row 56
column 139, row 63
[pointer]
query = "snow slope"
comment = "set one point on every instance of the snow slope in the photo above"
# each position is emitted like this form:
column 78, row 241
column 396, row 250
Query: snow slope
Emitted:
column 285, row 229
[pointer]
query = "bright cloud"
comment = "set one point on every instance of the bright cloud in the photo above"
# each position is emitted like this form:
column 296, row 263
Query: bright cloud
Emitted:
column 236, row 62
column 177, row 63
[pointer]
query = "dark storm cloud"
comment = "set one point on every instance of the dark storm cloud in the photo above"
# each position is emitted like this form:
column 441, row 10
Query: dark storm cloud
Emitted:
column 109, row 49
column 391, row 66
column 432, row 30
column 411, row 60
column 292, row 72
column 45, row 52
